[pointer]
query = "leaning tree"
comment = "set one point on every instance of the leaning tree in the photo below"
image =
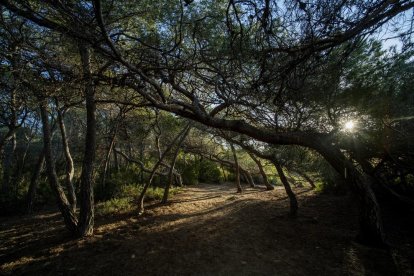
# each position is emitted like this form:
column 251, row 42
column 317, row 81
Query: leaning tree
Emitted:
column 234, row 65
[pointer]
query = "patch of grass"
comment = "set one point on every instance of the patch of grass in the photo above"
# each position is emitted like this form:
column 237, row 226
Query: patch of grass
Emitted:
column 124, row 199
column 114, row 206
column 157, row 193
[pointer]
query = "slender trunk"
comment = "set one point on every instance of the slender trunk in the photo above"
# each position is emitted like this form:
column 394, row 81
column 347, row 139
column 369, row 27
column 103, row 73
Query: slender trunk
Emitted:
column 292, row 197
column 9, row 154
column 179, row 180
column 141, row 156
column 249, row 178
column 20, row 168
column 116, row 161
column 86, row 217
column 236, row 169
column 224, row 173
column 262, row 172
column 171, row 170
column 31, row 194
column 6, row 138
column 307, row 178
column 107, row 158
column 8, row 162
column 154, row 169
column 63, row 203
column 70, row 170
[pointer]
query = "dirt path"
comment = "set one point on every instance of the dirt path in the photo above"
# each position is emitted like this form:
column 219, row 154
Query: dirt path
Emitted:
column 205, row 230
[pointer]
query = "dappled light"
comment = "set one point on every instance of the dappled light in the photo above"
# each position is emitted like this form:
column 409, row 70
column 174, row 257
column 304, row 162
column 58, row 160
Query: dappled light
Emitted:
column 249, row 137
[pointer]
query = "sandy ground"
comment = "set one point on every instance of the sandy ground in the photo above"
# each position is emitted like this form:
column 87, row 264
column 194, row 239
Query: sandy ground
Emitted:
column 204, row 230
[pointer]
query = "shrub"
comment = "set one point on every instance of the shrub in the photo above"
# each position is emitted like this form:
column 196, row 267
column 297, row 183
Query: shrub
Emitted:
column 114, row 206
column 209, row 172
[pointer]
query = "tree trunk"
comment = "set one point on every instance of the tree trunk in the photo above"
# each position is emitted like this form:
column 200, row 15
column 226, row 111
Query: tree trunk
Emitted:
column 8, row 163
column 31, row 194
column 63, row 203
column 292, row 197
column 141, row 156
column 307, row 178
column 154, row 169
column 171, row 170
column 370, row 220
column 6, row 138
column 262, row 172
column 107, row 158
column 236, row 169
column 19, row 175
column 224, row 173
column 249, row 178
column 116, row 161
column 70, row 170
column 86, row 217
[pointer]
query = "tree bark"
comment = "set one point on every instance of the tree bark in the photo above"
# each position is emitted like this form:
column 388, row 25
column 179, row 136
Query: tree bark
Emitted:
column 86, row 217
column 262, row 172
column 171, row 170
column 292, row 197
column 70, row 169
column 248, row 177
column 3, row 141
column 307, row 178
column 63, row 203
column 8, row 162
column 370, row 221
column 236, row 169
column 107, row 158
column 154, row 169
column 31, row 194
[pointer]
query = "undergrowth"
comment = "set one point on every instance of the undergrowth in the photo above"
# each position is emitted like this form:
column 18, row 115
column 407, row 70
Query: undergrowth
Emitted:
column 124, row 199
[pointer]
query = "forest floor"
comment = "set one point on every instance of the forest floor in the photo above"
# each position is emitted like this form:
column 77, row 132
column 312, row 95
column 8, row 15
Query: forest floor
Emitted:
column 204, row 230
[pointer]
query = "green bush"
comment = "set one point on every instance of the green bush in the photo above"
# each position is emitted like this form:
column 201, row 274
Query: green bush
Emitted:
column 209, row 172
column 114, row 182
column 125, row 196
column 190, row 175
column 332, row 182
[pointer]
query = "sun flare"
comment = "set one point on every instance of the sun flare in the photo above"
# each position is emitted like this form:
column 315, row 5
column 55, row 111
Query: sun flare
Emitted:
column 349, row 125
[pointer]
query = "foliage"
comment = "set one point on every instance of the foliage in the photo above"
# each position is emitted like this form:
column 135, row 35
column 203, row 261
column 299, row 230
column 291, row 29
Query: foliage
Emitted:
column 210, row 172
column 124, row 199
column 114, row 206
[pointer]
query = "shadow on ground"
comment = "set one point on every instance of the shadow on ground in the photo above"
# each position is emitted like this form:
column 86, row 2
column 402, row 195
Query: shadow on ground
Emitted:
column 205, row 230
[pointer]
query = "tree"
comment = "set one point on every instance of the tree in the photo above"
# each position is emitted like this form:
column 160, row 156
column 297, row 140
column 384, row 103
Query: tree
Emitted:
column 237, row 69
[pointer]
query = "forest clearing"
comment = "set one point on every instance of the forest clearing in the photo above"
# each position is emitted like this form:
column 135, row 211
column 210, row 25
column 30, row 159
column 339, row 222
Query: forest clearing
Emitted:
column 207, row 137
column 206, row 230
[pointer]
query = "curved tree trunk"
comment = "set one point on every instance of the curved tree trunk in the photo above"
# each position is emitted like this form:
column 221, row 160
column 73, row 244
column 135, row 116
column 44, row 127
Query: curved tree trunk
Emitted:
column 70, row 169
column 248, row 177
column 292, row 197
column 86, row 217
column 8, row 165
column 171, row 170
column 154, row 169
column 236, row 169
column 307, row 178
column 107, row 158
column 262, row 172
column 63, row 203
column 31, row 194
column 370, row 221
